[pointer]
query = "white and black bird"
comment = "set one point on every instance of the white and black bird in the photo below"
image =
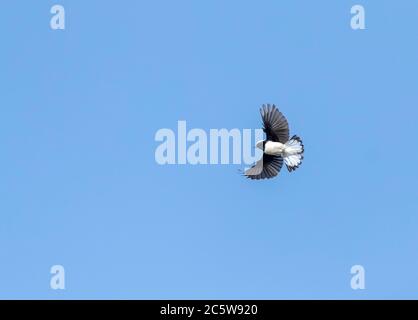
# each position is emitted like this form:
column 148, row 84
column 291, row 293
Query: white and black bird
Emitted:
column 277, row 148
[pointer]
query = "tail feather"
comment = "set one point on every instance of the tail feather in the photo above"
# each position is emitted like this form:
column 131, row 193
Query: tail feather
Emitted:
column 293, row 153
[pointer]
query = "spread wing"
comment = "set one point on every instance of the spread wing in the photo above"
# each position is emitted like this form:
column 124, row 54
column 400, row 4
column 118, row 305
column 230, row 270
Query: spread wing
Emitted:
column 265, row 168
column 275, row 124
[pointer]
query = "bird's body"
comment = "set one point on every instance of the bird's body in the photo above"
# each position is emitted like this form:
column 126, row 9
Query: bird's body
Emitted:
column 277, row 148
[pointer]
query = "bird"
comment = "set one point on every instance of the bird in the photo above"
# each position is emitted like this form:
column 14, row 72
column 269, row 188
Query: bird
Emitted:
column 277, row 147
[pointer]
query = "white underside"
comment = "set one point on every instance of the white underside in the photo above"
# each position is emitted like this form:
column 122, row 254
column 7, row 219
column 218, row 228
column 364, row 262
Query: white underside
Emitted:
column 291, row 151
column 274, row 148
column 290, row 148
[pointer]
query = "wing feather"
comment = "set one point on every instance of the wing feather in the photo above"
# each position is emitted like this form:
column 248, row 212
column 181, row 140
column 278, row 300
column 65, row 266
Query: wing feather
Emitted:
column 267, row 167
column 274, row 124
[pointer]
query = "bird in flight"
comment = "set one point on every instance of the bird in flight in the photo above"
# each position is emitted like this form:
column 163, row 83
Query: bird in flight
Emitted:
column 277, row 147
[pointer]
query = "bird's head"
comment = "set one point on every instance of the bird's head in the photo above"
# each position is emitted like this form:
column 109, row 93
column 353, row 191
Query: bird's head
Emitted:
column 260, row 144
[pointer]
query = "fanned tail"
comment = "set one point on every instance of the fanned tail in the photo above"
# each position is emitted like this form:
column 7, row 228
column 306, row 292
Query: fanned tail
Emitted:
column 293, row 153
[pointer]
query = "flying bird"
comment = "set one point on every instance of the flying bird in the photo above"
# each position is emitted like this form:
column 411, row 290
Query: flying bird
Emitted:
column 277, row 147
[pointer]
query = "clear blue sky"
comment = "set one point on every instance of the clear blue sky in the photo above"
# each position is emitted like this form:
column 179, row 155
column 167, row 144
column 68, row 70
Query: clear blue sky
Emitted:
column 80, row 186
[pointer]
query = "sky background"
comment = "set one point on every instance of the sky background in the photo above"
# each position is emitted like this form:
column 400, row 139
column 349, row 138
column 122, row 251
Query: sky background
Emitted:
column 79, row 185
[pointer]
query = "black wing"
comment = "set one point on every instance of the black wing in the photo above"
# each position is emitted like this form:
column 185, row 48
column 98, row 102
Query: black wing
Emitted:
column 265, row 168
column 275, row 124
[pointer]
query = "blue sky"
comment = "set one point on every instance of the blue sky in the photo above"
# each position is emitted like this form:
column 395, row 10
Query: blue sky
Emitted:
column 80, row 186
